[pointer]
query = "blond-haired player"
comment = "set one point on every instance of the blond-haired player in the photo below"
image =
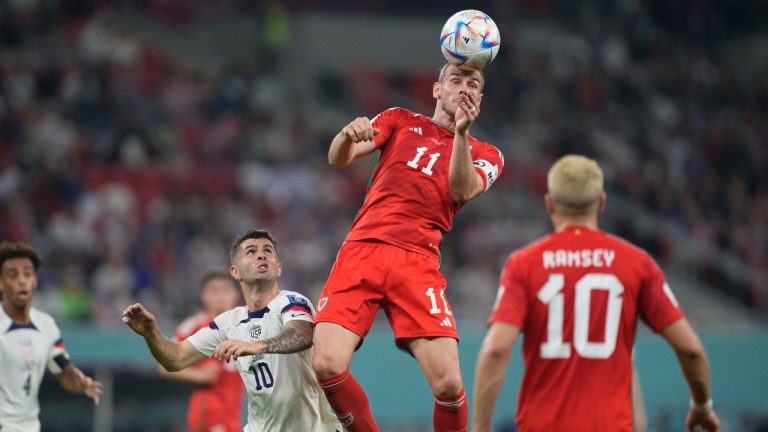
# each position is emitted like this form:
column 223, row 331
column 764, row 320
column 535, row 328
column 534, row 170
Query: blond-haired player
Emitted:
column 576, row 295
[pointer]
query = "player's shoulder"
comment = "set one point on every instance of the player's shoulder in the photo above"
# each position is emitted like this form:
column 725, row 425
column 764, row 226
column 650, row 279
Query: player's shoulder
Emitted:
column 232, row 316
column 286, row 298
column 398, row 114
column 486, row 147
column 42, row 320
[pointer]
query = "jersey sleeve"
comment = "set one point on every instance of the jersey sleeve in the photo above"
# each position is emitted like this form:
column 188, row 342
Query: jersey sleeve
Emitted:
column 387, row 123
column 657, row 304
column 511, row 305
column 299, row 308
column 208, row 338
column 58, row 357
column 488, row 162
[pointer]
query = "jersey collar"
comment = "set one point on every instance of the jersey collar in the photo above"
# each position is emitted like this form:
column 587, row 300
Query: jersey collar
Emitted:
column 258, row 314
column 442, row 125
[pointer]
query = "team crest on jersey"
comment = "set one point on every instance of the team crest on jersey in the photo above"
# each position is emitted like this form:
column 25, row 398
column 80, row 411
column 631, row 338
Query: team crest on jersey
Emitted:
column 256, row 333
column 321, row 304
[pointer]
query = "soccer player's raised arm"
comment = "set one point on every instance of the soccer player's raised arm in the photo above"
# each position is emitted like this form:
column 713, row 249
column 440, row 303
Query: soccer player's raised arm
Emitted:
column 353, row 142
column 173, row 356
column 693, row 362
column 296, row 337
column 489, row 376
column 464, row 182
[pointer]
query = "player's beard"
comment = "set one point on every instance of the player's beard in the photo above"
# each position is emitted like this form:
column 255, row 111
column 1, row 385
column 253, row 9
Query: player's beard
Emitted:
column 451, row 111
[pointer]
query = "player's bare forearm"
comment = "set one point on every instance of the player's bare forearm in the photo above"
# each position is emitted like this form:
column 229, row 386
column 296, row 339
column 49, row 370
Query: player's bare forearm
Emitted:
column 173, row 356
column 463, row 182
column 696, row 371
column 75, row 381
column 340, row 153
column 489, row 378
column 489, row 374
column 352, row 143
column 199, row 375
column 296, row 337
column 692, row 358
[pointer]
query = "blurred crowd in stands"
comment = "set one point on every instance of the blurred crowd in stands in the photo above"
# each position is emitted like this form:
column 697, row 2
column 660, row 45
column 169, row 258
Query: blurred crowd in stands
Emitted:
column 132, row 170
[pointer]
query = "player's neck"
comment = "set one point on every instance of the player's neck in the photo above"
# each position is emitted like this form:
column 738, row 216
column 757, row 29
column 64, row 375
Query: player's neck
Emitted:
column 562, row 223
column 258, row 299
column 19, row 316
column 442, row 118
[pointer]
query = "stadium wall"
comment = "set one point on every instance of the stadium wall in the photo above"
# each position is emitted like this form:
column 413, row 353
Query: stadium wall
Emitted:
column 399, row 394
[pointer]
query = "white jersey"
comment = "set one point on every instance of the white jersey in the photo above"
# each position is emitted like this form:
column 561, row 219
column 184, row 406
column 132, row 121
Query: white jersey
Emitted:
column 25, row 351
column 283, row 394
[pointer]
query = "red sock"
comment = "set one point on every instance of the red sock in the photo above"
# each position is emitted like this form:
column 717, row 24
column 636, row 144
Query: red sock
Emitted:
column 349, row 402
column 451, row 413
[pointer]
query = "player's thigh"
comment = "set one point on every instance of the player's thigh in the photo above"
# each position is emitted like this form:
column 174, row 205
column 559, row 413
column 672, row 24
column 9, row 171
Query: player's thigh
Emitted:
column 333, row 347
column 355, row 288
column 439, row 360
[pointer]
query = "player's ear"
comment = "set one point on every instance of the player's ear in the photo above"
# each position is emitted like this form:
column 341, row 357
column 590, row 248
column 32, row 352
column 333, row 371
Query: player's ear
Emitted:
column 436, row 90
column 279, row 269
column 549, row 204
column 603, row 199
column 234, row 272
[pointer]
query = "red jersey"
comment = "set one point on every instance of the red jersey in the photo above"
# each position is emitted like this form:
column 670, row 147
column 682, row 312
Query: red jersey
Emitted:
column 408, row 202
column 218, row 404
column 576, row 296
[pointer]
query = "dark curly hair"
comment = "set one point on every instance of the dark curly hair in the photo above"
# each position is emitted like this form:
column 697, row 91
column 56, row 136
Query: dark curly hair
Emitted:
column 10, row 250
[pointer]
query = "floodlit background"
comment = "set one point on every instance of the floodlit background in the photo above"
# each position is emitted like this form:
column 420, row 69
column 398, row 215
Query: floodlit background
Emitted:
column 138, row 138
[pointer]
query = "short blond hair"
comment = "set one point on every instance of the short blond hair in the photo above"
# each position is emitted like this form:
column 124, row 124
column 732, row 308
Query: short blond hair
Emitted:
column 575, row 184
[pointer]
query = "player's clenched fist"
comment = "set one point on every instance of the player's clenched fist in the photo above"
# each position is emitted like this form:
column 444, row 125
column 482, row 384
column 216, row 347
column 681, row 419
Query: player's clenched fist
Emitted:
column 360, row 129
column 233, row 348
column 139, row 319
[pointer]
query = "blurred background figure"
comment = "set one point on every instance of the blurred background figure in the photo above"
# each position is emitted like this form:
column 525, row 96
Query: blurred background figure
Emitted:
column 30, row 343
column 217, row 402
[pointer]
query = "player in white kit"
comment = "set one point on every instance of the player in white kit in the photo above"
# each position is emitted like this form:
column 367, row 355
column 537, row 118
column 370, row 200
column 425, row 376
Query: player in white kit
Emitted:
column 30, row 341
column 270, row 339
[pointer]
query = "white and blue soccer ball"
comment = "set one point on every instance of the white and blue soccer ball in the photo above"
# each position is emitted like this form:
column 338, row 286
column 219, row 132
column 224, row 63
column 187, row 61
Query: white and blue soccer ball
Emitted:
column 470, row 37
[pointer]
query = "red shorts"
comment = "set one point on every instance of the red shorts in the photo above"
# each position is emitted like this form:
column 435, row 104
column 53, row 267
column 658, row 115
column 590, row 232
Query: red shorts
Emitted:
column 407, row 285
column 206, row 414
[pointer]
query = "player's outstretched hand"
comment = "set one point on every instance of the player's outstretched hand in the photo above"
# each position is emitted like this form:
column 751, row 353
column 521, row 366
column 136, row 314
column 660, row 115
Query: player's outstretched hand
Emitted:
column 360, row 129
column 90, row 386
column 707, row 420
column 469, row 109
column 232, row 348
column 139, row 319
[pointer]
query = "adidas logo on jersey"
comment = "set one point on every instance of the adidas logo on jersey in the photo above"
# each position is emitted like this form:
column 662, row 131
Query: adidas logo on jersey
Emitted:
column 416, row 130
column 446, row 323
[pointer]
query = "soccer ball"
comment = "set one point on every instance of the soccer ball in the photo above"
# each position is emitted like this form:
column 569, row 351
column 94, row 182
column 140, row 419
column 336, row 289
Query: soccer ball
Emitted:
column 470, row 37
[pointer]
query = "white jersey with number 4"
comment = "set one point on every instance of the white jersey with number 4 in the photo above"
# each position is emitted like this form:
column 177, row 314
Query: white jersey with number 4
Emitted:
column 283, row 394
column 25, row 351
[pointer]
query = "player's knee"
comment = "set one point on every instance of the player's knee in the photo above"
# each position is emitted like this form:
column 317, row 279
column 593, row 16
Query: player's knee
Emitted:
column 448, row 385
column 327, row 365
